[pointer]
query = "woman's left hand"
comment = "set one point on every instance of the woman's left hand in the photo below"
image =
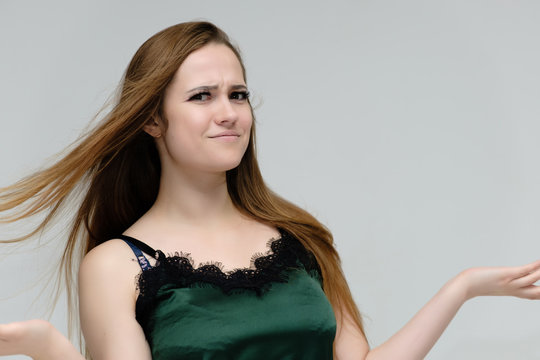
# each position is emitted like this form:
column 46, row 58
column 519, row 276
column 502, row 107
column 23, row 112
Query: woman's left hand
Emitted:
column 518, row 281
column 37, row 339
column 25, row 337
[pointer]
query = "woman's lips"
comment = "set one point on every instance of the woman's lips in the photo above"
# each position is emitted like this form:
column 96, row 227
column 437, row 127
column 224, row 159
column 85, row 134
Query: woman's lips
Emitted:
column 226, row 136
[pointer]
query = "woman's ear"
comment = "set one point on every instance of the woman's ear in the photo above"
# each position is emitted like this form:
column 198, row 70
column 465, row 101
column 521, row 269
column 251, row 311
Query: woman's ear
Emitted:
column 152, row 128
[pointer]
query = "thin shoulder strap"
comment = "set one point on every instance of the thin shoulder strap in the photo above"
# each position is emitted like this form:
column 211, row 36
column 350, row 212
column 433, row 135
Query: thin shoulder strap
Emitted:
column 138, row 247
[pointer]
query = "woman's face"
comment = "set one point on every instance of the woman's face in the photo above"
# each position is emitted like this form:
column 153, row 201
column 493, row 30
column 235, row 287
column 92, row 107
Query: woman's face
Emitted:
column 207, row 113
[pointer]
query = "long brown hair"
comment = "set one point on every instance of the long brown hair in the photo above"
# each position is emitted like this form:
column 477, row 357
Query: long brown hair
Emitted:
column 115, row 169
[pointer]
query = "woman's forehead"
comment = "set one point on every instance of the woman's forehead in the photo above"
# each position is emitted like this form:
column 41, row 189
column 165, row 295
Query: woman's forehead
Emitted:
column 211, row 65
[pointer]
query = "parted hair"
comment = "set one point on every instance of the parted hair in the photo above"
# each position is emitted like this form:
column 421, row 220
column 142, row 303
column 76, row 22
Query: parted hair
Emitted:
column 114, row 170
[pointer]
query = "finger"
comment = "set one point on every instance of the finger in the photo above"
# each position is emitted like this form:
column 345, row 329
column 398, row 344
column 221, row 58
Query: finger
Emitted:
column 6, row 347
column 528, row 279
column 531, row 292
column 11, row 332
column 4, row 331
column 521, row 271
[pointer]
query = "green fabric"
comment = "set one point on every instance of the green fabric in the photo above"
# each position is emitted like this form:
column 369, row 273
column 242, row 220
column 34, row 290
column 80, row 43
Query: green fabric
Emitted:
column 293, row 320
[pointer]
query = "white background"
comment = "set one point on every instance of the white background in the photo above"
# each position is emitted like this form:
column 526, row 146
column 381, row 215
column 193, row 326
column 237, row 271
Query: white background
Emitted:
column 410, row 128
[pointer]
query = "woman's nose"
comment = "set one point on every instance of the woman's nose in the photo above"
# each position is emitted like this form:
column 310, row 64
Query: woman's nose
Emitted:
column 225, row 112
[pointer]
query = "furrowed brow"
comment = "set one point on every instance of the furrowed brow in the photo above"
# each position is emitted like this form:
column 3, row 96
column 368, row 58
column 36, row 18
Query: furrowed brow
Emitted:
column 239, row 87
column 214, row 87
column 203, row 88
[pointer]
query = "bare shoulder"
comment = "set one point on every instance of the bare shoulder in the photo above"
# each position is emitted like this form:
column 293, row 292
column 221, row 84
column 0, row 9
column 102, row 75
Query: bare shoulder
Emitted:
column 111, row 263
column 110, row 250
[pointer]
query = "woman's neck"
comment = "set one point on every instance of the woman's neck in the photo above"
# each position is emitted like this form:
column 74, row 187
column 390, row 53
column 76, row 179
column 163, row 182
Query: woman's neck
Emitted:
column 194, row 198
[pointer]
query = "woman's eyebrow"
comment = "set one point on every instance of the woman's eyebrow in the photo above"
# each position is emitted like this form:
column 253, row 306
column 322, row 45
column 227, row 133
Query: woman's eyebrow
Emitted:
column 239, row 87
column 214, row 87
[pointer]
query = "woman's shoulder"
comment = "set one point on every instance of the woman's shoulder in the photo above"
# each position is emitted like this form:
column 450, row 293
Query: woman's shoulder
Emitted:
column 109, row 253
column 111, row 262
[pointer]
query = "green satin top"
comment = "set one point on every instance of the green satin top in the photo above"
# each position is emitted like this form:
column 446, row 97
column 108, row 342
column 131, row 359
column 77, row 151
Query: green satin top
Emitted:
column 274, row 310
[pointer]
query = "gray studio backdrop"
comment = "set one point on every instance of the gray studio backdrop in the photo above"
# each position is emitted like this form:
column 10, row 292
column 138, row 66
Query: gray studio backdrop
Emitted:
column 410, row 128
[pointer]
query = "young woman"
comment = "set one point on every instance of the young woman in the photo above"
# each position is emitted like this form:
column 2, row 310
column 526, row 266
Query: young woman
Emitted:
column 169, row 180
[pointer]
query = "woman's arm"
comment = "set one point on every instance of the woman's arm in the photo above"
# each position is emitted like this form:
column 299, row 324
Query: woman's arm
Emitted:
column 107, row 295
column 419, row 335
column 37, row 339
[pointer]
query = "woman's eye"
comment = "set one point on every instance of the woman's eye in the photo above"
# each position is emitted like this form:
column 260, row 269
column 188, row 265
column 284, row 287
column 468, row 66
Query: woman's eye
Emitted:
column 240, row 95
column 202, row 96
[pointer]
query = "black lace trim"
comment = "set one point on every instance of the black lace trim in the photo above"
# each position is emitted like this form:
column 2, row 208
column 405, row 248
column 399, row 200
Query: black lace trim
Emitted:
column 177, row 270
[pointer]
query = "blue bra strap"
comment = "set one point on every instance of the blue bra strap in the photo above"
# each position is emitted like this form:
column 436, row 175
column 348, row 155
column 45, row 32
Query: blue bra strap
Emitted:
column 143, row 261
